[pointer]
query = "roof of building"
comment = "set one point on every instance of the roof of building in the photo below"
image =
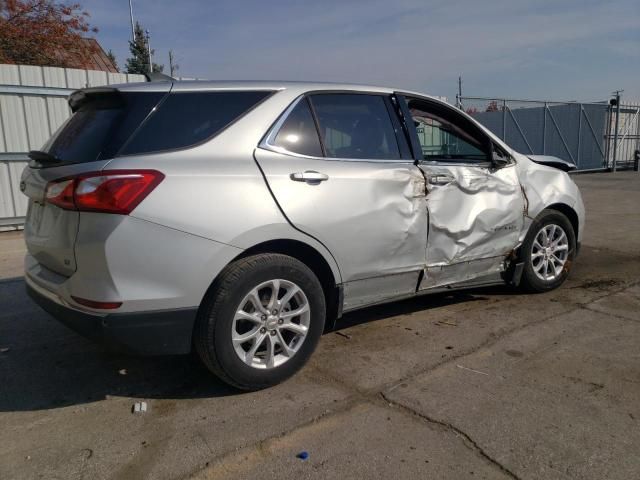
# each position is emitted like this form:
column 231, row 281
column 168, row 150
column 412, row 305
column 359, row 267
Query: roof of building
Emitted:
column 97, row 58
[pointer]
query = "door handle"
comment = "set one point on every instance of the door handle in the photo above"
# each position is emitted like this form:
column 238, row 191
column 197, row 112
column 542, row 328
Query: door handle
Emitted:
column 441, row 179
column 310, row 176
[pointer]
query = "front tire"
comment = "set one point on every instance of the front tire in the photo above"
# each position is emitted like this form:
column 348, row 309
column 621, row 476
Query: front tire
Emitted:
column 261, row 321
column 548, row 252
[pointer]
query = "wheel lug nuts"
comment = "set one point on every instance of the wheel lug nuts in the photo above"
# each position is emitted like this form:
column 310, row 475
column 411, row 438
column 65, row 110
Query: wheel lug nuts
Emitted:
column 275, row 312
column 264, row 317
column 280, row 321
column 262, row 330
column 273, row 332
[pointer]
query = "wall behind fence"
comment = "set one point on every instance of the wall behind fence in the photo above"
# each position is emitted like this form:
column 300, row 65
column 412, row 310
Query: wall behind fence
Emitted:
column 33, row 104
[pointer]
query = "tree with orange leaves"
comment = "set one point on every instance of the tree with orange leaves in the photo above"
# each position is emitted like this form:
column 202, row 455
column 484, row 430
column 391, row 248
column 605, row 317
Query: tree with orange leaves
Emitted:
column 43, row 32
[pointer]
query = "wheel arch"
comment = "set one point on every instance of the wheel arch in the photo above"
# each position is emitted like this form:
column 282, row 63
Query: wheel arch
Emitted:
column 568, row 212
column 313, row 259
column 511, row 275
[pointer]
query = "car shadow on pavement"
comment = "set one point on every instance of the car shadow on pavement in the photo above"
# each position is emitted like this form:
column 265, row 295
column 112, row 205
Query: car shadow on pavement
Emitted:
column 44, row 365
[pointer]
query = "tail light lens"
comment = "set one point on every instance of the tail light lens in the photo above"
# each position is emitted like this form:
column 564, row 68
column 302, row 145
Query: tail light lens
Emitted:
column 114, row 191
column 60, row 193
column 97, row 305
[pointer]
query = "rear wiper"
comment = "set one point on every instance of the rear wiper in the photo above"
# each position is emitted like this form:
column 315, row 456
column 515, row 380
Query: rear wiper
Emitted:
column 43, row 157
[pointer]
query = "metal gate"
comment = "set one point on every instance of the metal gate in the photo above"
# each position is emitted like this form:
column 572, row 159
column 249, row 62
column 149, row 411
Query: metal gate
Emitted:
column 623, row 143
column 33, row 104
column 583, row 133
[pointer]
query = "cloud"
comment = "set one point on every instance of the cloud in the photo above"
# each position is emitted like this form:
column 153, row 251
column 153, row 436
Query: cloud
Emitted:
column 500, row 47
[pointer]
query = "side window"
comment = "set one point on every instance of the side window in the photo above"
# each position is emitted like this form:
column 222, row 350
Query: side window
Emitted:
column 184, row 119
column 355, row 126
column 298, row 133
column 443, row 136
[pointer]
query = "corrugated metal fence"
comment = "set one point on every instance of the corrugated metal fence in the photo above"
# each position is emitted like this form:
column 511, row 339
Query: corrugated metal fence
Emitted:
column 33, row 104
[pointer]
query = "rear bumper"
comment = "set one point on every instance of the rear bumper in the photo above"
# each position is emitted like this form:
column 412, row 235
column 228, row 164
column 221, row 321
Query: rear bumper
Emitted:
column 163, row 332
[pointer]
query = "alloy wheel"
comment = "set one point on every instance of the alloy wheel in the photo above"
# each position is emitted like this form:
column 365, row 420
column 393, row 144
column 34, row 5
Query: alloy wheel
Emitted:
column 270, row 324
column 549, row 252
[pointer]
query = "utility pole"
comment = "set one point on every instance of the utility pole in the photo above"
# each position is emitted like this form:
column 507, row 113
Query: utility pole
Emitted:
column 459, row 95
column 133, row 30
column 149, row 49
column 615, row 133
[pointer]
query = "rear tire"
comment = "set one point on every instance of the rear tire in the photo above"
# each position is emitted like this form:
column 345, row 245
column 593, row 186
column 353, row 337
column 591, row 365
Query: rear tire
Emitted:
column 548, row 252
column 240, row 311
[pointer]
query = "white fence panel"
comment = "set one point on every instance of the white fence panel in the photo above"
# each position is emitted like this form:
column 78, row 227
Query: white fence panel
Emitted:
column 33, row 105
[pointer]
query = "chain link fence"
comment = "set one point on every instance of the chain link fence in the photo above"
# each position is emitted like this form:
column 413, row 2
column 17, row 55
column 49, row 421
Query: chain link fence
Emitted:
column 583, row 133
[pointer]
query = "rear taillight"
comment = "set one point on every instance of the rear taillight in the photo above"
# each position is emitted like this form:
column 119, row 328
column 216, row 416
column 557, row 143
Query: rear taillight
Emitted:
column 97, row 305
column 114, row 191
column 60, row 193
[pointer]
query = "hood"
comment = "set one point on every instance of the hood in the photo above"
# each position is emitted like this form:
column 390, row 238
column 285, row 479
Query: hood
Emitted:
column 554, row 162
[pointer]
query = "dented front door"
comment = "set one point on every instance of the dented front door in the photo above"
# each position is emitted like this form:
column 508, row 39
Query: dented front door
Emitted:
column 475, row 217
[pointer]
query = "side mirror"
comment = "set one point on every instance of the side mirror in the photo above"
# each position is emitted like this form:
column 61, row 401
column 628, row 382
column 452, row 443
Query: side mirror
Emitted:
column 499, row 159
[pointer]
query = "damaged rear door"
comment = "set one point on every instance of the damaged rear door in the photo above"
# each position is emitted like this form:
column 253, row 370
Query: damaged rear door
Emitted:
column 475, row 205
column 341, row 170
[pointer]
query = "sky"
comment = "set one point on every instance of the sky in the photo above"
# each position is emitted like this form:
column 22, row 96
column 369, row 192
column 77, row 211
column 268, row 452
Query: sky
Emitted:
column 545, row 49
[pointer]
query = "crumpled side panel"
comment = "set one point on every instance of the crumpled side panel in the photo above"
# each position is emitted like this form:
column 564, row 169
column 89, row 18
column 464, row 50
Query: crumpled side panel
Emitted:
column 544, row 186
column 478, row 215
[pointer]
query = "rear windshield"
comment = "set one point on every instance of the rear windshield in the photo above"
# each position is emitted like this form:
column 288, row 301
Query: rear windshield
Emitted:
column 126, row 123
column 101, row 126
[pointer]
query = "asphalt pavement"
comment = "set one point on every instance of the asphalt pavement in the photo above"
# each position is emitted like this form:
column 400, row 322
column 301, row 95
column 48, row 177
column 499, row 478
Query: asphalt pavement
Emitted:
column 487, row 383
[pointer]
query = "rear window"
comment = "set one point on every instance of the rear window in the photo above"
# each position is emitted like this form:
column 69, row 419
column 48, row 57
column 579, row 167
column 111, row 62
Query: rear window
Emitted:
column 298, row 133
column 126, row 123
column 187, row 118
column 101, row 126
column 355, row 126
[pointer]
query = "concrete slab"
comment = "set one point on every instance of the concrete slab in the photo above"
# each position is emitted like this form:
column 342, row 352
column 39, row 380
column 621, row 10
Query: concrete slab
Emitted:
column 555, row 400
column 365, row 441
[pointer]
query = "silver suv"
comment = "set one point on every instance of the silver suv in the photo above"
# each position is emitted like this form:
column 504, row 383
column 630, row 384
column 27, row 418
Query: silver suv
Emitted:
column 243, row 218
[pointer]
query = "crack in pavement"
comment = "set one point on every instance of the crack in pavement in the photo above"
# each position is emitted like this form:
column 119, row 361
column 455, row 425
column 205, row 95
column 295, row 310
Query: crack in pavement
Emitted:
column 615, row 315
column 467, row 440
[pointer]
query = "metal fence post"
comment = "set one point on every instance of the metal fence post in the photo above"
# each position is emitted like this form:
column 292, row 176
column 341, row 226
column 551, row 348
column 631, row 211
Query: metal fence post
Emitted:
column 544, row 129
column 615, row 133
column 504, row 120
column 579, row 134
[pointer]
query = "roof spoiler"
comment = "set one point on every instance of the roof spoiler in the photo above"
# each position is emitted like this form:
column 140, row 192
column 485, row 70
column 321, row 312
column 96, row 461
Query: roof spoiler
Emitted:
column 80, row 97
column 158, row 77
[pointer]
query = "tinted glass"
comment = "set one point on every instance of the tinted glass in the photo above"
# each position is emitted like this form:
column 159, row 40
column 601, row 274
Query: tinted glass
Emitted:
column 443, row 137
column 355, row 126
column 298, row 133
column 187, row 118
column 99, row 128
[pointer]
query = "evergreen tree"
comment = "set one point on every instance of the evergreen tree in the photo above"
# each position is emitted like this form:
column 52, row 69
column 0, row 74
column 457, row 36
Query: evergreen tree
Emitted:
column 139, row 61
